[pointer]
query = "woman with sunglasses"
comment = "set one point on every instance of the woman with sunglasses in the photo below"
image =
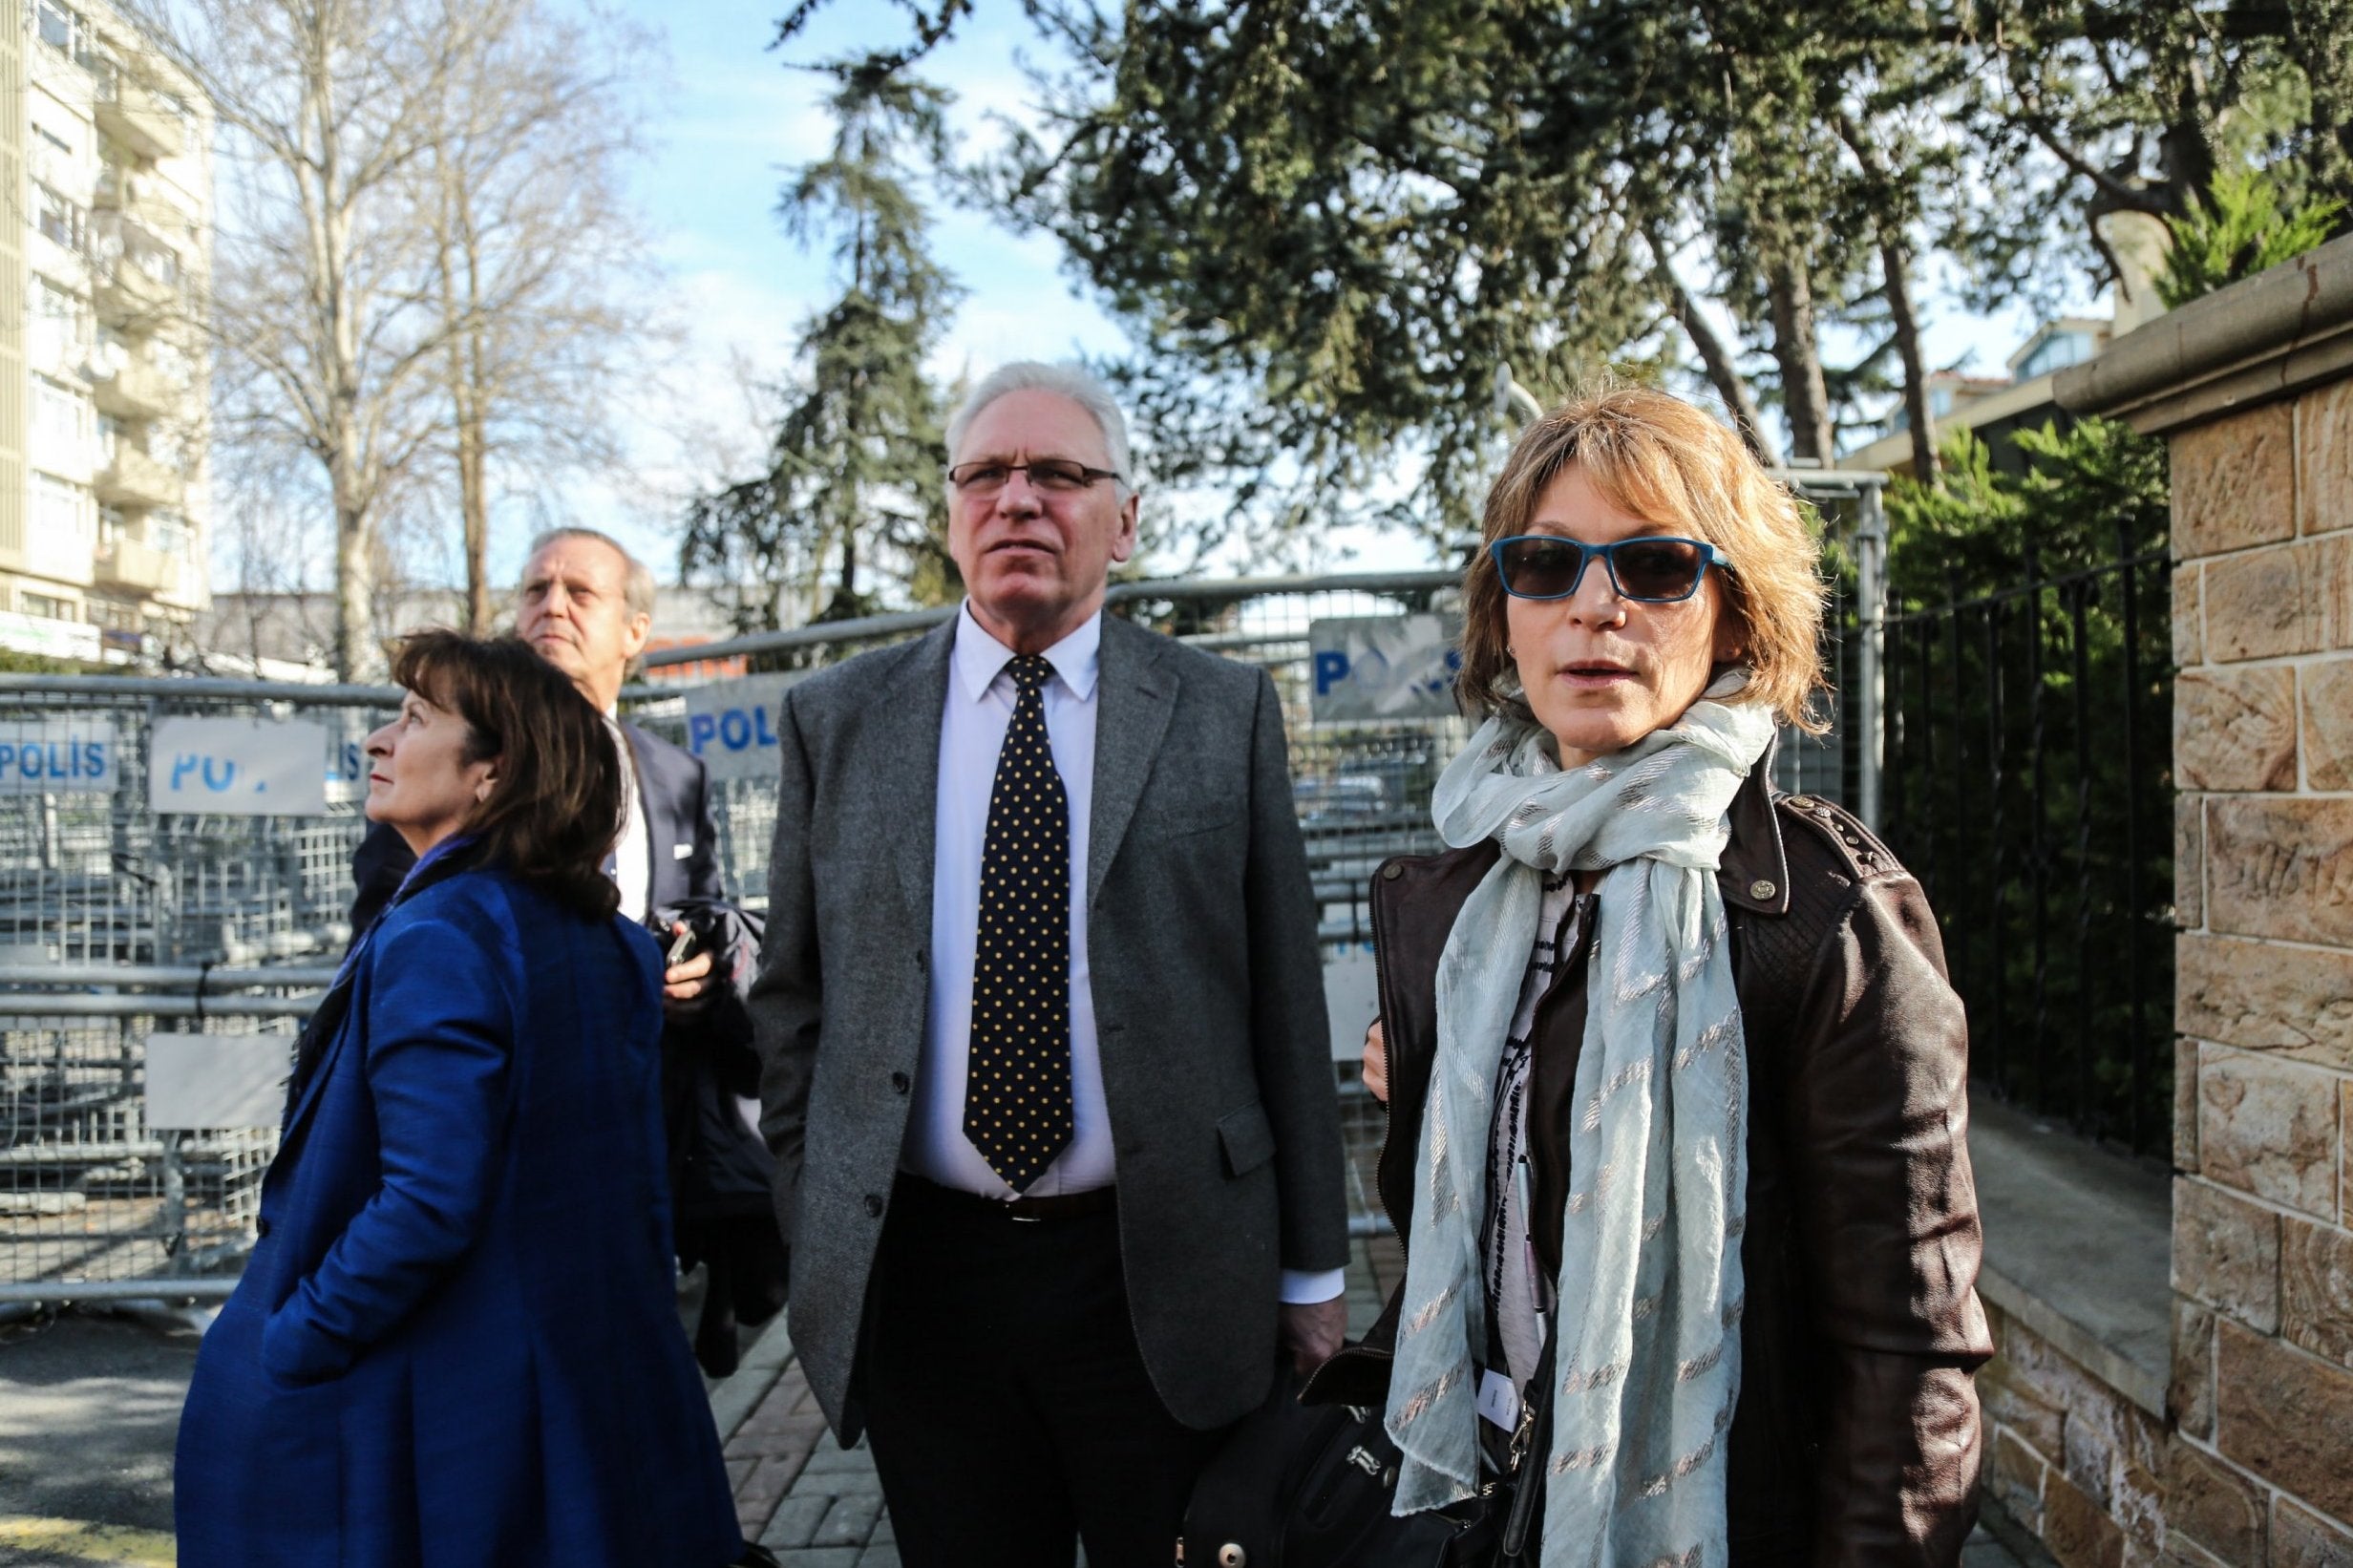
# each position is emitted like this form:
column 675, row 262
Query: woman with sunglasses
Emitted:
column 456, row 1341
column 1676, row 1083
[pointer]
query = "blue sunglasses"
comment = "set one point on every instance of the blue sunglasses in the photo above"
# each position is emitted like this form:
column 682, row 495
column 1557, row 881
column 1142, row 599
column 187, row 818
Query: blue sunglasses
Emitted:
column 1649, row 571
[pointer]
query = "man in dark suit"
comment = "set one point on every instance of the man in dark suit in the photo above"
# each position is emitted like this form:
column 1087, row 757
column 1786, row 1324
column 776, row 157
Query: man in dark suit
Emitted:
column 1041, row 1017
column 586, row 605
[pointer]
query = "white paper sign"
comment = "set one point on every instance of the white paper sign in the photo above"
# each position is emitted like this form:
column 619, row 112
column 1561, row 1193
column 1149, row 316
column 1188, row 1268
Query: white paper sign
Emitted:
column 238, row 767
column 217, row 1080
column 46, row 757
column 731, row 725
column 1384, row 667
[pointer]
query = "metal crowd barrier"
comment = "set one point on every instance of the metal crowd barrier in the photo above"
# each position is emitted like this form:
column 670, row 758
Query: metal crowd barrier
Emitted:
column 95, row 1203
column 120, row 924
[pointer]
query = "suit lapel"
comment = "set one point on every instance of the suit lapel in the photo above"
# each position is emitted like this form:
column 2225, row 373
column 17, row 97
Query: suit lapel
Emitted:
column 907, row 761
column 1136, row 694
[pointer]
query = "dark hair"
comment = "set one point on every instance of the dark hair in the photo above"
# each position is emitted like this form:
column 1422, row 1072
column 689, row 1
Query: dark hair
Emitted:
column 555, row 810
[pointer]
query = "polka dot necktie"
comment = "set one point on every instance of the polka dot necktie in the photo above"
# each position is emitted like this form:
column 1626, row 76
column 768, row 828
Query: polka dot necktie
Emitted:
column 1017, row 1094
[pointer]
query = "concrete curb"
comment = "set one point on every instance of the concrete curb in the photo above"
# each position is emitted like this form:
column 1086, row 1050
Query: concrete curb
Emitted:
column 735, row 1396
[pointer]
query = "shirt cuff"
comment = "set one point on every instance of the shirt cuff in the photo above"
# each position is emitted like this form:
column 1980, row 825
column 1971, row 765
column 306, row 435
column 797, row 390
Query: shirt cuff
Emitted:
column 1305, row 1287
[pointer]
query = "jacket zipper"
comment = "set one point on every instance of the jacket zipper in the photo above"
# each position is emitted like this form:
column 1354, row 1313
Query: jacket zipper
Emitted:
column 1385, row 988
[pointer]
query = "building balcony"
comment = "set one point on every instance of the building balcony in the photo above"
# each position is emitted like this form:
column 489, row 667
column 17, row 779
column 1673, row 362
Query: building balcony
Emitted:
column 129, row 295
column 143, row 568
column 132, row 479
column 135, row 197
column 138, row 118
column 136, row 391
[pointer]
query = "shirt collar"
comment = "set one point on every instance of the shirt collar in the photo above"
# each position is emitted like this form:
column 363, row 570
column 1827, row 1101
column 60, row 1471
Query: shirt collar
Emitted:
column 978, row 657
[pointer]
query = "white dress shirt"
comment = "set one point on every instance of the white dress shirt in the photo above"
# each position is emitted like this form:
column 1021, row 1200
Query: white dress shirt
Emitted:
column 633, row 852
column 973, row 726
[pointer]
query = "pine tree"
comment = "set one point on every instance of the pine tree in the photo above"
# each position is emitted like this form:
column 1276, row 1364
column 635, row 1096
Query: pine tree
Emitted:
column 853, row 497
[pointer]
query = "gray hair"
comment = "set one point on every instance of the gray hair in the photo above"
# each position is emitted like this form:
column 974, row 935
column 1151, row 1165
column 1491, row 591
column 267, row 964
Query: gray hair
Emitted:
column 638, row 590
column 1071, row 381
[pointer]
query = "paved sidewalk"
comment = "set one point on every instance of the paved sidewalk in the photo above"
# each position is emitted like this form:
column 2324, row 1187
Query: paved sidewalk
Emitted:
column 801, row 1495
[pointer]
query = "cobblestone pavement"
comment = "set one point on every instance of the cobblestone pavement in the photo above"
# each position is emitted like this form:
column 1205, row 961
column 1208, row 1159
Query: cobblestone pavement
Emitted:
column 801, row 1495
column 814, row 1504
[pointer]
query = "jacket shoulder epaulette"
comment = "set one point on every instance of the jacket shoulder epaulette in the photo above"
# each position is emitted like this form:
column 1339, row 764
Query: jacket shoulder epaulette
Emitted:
column 1854, row 848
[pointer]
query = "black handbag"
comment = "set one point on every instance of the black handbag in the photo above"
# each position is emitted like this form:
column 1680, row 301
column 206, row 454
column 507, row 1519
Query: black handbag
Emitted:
column 1309, row 1486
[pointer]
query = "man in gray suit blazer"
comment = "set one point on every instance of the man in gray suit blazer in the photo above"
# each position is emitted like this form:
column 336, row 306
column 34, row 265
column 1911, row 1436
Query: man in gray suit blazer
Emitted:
column 1042, row 1022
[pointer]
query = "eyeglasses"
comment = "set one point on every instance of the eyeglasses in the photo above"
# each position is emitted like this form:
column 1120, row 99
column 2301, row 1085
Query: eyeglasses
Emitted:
column 1056, row 476
column 1649, row 571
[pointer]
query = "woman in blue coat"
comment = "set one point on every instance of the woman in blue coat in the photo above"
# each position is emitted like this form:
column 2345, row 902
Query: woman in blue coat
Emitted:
column 455, row 1341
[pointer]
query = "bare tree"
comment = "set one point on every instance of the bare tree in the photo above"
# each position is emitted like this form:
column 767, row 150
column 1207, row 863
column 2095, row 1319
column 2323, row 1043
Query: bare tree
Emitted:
column 326, row 110
column 537, row 270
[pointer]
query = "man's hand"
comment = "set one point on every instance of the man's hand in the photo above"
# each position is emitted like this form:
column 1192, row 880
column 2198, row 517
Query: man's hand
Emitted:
column 1376, row 1062
column 1314, row 1332
column 685, row 984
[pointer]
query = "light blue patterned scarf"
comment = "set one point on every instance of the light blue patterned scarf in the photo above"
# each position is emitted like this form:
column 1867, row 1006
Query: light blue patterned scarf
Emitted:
column 1648, row 1364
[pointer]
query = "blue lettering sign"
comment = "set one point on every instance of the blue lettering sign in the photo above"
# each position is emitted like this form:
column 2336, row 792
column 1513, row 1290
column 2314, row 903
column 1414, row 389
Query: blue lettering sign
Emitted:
column 1331, row 668
column 732, row 725
column 247, row 767
column 47, row 755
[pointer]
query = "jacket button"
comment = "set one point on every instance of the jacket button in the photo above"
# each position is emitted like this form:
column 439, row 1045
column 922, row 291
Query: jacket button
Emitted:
column 1762, row 889
column 873, row 1205
column 900, row 1082
column 1391, row 872
column 1803, row 803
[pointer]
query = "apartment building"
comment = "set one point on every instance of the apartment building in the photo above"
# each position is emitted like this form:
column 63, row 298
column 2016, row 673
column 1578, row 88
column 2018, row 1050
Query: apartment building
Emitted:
column 104, row 514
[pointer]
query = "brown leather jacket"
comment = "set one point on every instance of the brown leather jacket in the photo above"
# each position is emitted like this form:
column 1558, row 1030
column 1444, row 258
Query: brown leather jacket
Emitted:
column 1855, row 1438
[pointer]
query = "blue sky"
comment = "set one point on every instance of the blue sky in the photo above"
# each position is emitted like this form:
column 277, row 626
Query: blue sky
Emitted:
column 732, row 120
column 736, row 119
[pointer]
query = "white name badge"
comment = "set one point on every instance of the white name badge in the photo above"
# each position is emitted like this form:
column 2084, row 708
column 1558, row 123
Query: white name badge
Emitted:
column 1498, row 1399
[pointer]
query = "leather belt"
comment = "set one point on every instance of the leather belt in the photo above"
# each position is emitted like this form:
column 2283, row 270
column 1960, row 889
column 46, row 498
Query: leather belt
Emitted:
column 1021, row 1210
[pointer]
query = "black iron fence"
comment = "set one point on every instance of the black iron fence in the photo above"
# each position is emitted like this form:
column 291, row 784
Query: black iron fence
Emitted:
column 2029, row 785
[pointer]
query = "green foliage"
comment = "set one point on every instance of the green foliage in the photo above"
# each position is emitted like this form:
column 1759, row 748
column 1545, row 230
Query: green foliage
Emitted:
column 2091, row 493
column 13, row 663
column 2236, row 231
column 855, row 482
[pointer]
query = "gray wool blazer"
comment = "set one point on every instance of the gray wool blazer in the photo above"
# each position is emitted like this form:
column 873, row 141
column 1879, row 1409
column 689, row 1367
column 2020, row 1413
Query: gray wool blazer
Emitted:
column 1208, row 1002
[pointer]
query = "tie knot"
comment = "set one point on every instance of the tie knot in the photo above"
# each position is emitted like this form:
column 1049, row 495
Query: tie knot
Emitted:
column 1030, row 670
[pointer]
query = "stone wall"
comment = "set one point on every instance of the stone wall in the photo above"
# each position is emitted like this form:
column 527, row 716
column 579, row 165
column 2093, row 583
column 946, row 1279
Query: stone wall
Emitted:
column 2259, row 1468
column 2069, row 1458
column 2253, row 387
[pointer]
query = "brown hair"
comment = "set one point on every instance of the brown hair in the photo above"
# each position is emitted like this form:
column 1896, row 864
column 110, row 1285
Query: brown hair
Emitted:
column 1667, row 462
column 554, row 813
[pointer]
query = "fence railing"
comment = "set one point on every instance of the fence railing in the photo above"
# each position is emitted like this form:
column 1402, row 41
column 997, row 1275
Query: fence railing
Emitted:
column 2021, row 776
column 121, row 924
column 2029, row 786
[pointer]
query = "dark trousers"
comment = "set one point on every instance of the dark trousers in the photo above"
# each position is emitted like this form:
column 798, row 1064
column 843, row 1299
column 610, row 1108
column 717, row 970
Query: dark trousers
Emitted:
column 1006, row 1403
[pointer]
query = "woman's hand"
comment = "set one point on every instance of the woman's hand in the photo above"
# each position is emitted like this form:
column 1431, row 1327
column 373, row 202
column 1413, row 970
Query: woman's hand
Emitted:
column 1376, row 1062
